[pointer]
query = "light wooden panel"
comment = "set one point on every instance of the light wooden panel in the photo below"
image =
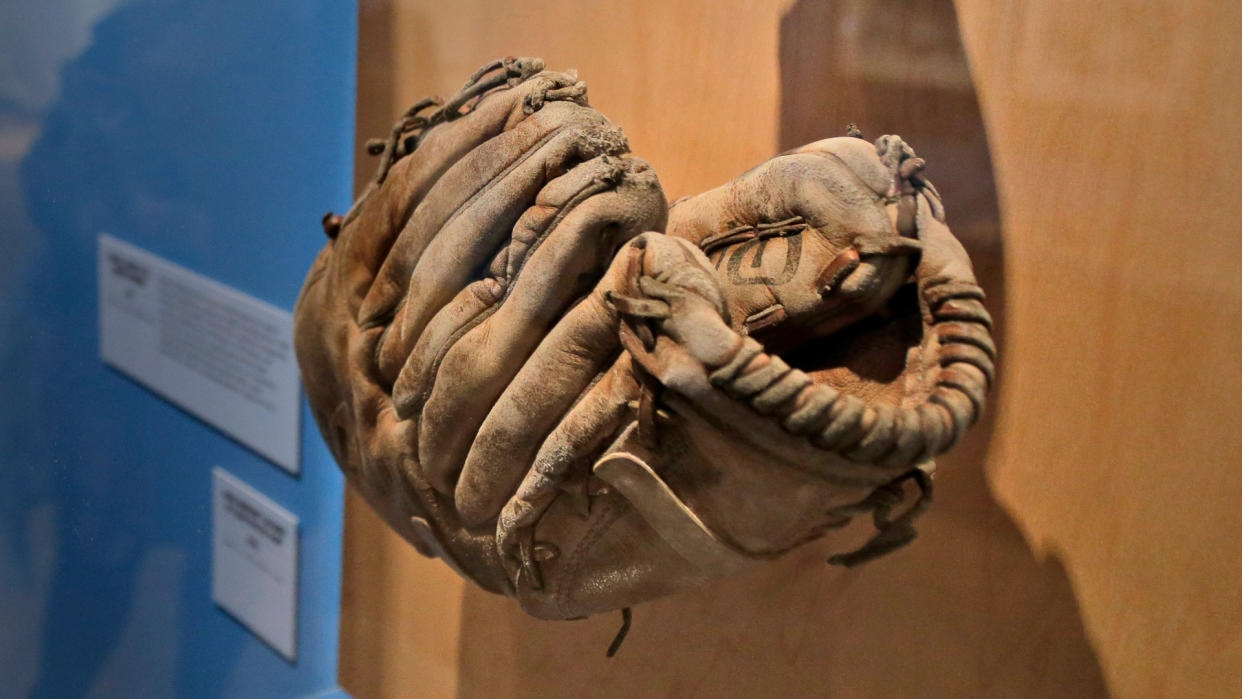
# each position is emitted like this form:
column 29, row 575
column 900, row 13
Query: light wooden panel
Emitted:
column 1116, row 135
column 1083, row 538
column 656, row 67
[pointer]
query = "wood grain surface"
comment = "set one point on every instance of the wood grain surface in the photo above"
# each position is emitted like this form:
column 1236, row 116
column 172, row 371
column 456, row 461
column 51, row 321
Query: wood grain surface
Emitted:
column 1083, row 541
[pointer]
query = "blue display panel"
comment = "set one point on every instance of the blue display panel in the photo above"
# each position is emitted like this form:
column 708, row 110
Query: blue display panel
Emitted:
column 213, row 133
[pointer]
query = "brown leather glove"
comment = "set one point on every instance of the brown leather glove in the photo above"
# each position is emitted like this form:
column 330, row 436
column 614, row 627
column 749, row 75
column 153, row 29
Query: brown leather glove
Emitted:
column 585, row 416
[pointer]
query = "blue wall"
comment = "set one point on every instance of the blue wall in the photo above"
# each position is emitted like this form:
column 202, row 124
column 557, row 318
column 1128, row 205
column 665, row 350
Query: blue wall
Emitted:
column 214, row 133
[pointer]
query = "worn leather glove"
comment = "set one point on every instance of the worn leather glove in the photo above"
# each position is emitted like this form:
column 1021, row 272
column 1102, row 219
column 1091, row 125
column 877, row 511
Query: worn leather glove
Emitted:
column 584, row 415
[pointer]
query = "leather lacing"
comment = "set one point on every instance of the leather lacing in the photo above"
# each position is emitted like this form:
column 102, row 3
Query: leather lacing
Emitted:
column 626, row 617
column 406, row 133
column 891, row 534
column 876, row 433
column 761, row 231
column 890, row 436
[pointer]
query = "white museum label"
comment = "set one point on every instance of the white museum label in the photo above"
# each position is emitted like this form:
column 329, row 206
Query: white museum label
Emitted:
column 254, row 561
column 222, row 355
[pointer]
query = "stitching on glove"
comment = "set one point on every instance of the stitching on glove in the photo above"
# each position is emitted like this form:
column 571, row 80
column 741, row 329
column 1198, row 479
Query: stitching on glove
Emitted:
column 409, row 130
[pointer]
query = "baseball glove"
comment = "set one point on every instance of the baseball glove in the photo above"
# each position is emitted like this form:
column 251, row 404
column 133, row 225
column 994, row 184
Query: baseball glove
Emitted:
column 525, row 376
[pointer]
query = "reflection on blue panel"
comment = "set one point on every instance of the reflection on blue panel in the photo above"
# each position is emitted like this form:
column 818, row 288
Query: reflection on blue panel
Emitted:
column 213, row 133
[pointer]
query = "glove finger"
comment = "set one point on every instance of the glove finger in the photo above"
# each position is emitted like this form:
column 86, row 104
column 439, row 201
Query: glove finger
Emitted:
column 557, row 373
column 561, row 203
column 487, row 357
column 564, row 365
column 388, row 208
column 472, row 304
column 562, row 368
column 465, row 244
column 600, row 414
column 486, row 171
column 827, row 183
column 806, row 243
column 943, row 255
column 858, row 156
